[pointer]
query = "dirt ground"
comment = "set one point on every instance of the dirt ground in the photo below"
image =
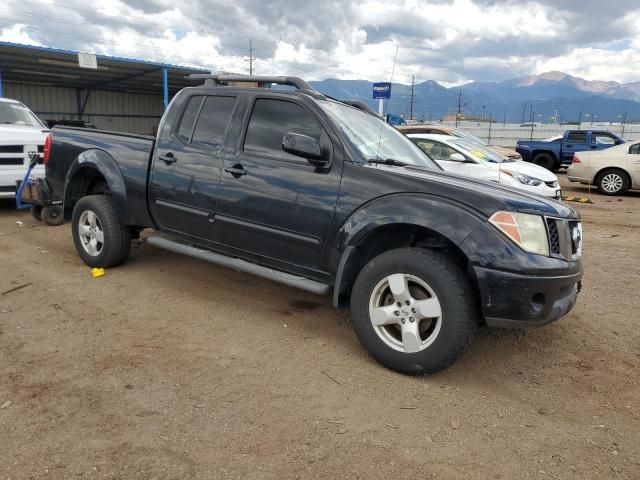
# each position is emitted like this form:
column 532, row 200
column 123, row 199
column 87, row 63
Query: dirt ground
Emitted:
column 171, row 368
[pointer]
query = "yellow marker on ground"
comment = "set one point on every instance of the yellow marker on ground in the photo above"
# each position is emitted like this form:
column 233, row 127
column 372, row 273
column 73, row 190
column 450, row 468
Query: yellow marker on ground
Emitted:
column 98, row 272
column 567, row 198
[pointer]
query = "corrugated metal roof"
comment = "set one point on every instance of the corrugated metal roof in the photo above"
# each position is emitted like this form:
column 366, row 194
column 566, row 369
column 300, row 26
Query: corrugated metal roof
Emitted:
column 56, row 67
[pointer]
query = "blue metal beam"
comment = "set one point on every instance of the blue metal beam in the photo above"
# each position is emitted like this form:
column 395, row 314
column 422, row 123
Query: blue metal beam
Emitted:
column 165, row 86
column 0, row 83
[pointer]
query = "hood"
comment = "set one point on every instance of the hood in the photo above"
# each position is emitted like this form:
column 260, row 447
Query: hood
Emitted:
column 530, row 169
column 505, row 152
column 484, row 196
column 21, row 134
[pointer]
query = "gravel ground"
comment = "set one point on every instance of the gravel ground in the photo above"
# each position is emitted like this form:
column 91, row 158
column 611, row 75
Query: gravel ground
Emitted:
column 170, row 368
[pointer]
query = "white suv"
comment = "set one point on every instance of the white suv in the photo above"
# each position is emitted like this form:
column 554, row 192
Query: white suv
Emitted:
column 21, row 133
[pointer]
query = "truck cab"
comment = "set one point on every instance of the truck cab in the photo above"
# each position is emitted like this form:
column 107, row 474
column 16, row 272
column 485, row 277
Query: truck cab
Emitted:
column 323, row 195
column 554, row 155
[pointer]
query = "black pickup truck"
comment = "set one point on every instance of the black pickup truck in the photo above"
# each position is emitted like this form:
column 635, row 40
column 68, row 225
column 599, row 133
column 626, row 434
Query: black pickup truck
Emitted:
column 319, row 194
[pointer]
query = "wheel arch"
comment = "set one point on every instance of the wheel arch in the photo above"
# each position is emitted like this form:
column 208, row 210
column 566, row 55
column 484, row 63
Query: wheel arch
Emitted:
column 600, row 172
column 95, row 172
column 363, row 239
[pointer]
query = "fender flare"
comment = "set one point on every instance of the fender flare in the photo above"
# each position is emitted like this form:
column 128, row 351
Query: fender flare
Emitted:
column 101, row 162
column 420, row 210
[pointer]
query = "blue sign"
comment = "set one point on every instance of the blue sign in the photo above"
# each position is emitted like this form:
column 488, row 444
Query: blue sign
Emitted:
column 381, row 90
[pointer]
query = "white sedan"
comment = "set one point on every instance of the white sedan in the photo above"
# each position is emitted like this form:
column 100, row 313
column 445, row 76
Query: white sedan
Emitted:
column 614, row 170
column 466, row 158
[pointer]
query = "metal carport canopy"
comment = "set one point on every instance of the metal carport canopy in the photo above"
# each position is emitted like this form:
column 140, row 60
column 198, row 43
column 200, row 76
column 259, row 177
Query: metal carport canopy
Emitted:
column 56, row 67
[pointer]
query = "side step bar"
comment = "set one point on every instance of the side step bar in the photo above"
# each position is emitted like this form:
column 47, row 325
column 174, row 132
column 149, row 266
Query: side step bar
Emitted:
column 240, row 265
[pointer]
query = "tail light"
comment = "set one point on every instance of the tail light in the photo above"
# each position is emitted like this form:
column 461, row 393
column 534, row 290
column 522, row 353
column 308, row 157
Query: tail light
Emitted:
column 575, row 159
column 47, row 149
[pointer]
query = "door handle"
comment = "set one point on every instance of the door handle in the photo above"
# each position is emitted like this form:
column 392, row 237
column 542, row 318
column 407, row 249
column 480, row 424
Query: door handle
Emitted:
column 168, row 158
column 237, row 170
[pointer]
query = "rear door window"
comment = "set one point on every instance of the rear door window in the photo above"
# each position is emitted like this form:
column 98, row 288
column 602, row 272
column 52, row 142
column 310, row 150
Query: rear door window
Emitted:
column 271, row 120
column 213, row 121
column 635, row 149
column 189, row 118
column 598, row 138
column 577, row 137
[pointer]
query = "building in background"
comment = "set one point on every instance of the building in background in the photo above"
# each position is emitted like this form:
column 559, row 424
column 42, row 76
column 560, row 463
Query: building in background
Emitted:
column 112, row 93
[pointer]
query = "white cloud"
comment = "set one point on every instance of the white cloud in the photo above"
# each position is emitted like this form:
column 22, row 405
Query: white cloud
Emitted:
column 451, row 42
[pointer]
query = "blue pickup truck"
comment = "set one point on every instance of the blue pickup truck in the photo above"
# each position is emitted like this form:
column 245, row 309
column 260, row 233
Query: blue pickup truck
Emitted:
column 557, row 153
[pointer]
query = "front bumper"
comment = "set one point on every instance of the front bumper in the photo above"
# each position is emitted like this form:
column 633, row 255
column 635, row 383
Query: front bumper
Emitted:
column 513, row 300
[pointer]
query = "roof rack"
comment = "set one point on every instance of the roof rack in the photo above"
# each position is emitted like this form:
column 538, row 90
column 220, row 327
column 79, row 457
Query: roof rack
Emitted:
column 222, row 79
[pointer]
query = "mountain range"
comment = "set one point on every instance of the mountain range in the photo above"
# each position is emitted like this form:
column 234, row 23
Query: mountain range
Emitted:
column 516, row 100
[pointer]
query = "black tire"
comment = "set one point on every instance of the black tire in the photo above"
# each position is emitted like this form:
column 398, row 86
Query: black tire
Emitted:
column 544, row 160
column 116, row 243
column 36, row 212
column 53, row 215
column 458, row 300
column 608, row 179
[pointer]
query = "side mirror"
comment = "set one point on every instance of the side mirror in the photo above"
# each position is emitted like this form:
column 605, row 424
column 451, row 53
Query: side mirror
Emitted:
column 304, row 146
column 618, row 141
column 457, row 157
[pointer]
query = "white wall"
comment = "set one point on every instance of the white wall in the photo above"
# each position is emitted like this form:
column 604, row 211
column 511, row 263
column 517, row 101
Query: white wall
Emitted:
column 119, row 111
column 507, row 135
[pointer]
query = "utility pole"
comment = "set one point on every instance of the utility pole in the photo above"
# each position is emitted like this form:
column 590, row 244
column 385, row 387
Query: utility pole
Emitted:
column 624, row 120
column 524, row 110
column 251, row 57
column 579, row 120
column 532, row 124
column 413, row 81
column 459, row 106
column 490, row 122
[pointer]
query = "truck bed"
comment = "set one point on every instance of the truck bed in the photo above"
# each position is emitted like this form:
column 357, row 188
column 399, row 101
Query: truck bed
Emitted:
column 131, row 155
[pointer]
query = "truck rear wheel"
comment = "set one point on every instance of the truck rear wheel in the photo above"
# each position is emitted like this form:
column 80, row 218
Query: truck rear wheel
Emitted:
column 100, row 238
column 544, row 160
column 414, row 310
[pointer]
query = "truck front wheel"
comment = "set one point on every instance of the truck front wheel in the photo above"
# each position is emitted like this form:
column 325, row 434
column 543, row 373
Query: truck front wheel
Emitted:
column 414, row 310
column 100, row 238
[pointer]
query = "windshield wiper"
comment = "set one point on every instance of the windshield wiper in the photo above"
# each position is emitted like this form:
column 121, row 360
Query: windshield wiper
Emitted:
column 388, row 161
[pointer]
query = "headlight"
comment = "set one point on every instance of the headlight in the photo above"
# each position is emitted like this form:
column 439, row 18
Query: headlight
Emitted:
column 526, row 230
column 522, row 178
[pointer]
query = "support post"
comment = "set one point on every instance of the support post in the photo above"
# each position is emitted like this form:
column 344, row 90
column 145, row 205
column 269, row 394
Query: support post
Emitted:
column 380, row 107
column 0, row 83
column 165, row 87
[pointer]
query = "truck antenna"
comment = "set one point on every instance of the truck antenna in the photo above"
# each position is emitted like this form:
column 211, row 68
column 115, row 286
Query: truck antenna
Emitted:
column 386, row 105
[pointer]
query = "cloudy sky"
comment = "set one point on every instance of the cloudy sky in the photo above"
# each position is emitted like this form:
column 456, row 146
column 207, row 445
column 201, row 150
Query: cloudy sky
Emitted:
column 450, row 41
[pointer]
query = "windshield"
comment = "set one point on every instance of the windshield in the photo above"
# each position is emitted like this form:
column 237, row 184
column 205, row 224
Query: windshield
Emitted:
column 468, row 136
column 480, row 152
column 17, row 114
column 373, row 138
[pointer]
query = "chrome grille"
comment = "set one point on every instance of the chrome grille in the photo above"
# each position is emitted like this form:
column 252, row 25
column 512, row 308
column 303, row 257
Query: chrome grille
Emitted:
column 11, row 148
column 12, row 161
column 554, row 236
